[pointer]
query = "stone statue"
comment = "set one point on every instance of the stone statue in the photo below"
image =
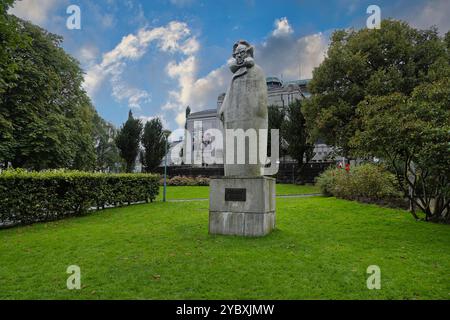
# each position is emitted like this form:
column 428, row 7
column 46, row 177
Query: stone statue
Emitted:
column 243, row 201
column 245, row 107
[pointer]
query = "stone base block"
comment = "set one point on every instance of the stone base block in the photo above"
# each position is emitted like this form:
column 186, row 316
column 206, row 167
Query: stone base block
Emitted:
column 242, row 206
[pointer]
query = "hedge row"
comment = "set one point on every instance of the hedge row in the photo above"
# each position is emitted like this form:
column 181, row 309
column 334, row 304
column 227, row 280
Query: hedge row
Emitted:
column 28, row 197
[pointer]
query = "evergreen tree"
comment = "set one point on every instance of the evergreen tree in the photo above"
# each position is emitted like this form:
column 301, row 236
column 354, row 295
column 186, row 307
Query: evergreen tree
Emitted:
column 296, row 135
column 153, row 141
column 128, row 140
column 276, row 117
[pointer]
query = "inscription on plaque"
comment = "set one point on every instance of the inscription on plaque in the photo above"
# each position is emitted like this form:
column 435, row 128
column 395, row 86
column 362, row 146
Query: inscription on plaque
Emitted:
column 235, row 194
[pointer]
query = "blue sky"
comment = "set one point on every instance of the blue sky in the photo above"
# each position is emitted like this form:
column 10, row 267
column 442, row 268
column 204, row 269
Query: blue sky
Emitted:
column 156, row 57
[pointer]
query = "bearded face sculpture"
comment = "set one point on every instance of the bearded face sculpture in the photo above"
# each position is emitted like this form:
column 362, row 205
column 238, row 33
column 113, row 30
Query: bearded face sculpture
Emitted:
column 245, row 107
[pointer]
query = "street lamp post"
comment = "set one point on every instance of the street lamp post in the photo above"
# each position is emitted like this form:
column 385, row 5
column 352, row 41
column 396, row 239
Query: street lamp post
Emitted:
column 165, row 171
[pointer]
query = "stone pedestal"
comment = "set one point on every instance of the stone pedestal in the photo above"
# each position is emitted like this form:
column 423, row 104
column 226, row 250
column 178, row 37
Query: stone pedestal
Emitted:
column 242, row 206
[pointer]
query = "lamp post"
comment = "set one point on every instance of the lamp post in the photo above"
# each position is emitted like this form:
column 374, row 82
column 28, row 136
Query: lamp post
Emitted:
column 165, row 170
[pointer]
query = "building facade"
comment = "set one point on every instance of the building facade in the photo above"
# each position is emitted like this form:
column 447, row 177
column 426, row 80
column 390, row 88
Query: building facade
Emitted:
column 280, row 94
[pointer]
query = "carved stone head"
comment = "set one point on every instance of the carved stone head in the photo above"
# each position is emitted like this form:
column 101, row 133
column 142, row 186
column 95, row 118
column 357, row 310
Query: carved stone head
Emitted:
column 241, row 51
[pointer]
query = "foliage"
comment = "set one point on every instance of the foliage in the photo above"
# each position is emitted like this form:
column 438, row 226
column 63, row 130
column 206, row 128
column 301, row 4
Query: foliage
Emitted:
column 385, row 93
column 375, row 62
column 328, row 180
column 412, row 134
column 10, row 38
column 107, row 153
column 128, row 140
column 154, row 144
column 45, row 116
column 186, row 181
column 276, row 119
column 366, row 181
column 29, row 197
column 296, row 135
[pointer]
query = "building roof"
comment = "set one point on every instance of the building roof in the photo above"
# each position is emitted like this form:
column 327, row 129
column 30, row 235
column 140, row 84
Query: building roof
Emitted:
column 273, row 79
column 303, row 82
column 204, row 113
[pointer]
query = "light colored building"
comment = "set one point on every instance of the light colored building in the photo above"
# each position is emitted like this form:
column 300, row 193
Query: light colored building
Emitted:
column 280, row 94
column 197, row 124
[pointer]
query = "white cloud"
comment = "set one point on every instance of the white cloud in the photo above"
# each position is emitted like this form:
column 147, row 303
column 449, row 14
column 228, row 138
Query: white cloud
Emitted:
column 198, row 93
column 181, row 118
column 291, row 57
column 36, row 11
column 285, row 55
column 87, row 54
column 282, row 28
column 161, row 117
column 174, row 37
column 280, row 53
column 134, row 97
column 430, row 13
column 204, row 91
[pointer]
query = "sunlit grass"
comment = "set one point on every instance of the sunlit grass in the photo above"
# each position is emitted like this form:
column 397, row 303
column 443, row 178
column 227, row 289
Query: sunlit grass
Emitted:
column 202, row 192
column 321, row 249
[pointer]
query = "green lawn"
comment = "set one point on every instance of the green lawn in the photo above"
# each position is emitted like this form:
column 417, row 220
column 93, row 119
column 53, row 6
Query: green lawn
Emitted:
column 175, row 193
column 320, row 249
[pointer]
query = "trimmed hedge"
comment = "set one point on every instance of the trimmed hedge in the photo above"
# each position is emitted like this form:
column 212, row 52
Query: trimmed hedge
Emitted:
column 29, row 197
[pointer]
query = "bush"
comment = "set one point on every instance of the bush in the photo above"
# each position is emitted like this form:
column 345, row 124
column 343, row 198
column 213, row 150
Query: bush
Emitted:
column 328, row 180
column 28, row 197
column 186, row 181
column 366, row 181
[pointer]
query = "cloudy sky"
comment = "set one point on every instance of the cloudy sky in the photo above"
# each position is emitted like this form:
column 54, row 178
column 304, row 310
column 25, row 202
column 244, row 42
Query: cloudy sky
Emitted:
column 157, row 57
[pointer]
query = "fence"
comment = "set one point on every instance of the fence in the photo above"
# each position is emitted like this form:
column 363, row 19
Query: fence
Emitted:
column 288, row 172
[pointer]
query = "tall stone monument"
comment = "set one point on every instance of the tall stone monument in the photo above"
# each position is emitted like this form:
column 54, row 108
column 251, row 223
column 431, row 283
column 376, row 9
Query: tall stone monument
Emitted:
column 243, row 201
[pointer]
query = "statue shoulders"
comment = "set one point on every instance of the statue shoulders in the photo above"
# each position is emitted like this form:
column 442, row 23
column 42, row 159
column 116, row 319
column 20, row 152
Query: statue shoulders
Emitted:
column 257, row 74
column 259, row 71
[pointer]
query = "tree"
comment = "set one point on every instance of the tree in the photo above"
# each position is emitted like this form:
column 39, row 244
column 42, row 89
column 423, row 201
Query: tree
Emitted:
column 412, row 135
column 447, row 44
column 45, row 116
column 153, row 141
column 9, row 38
column 296, row 135
column 276, row 117
column 128, row 140
column 378, row 62
column 107, row 153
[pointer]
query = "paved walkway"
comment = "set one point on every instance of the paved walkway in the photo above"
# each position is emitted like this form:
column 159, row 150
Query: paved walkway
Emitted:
column 281, row 196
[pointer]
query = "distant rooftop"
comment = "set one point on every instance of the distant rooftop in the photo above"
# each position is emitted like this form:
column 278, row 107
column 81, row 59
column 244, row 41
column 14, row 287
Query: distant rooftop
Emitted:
column 303, row 82
column 211, row 112
column 274, row 82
